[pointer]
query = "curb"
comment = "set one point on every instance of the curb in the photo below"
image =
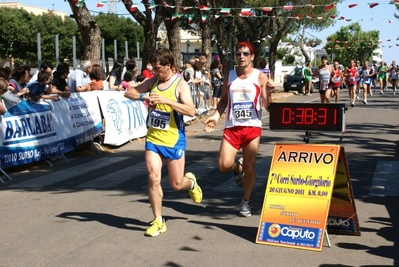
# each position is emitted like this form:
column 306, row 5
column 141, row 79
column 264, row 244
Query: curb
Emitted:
column 281, row 96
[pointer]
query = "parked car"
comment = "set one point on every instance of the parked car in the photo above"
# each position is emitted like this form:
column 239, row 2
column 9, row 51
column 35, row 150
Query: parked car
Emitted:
column 294, row 82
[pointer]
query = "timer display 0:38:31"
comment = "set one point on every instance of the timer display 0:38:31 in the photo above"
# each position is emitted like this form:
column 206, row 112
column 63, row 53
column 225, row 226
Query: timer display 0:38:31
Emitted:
column 307, row 116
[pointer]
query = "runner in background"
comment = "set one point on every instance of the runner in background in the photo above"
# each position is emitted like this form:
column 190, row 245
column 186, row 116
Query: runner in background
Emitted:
column 336, row 79
column 323, row 72
column 367, row 76
column 351, row 80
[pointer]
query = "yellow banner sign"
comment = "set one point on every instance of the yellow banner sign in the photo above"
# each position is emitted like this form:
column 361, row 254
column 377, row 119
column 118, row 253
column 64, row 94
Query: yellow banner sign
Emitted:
column 298, row 194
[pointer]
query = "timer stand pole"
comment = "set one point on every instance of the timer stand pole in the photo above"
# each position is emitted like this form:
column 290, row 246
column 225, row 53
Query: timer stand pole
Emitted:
column 306, row 138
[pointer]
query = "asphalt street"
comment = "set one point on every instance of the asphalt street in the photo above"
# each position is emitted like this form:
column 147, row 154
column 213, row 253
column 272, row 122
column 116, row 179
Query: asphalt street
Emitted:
column 93, row 211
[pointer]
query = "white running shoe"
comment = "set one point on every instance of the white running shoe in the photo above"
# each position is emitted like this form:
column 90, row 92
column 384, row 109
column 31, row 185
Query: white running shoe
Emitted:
column 365, row 101
column 245, row 209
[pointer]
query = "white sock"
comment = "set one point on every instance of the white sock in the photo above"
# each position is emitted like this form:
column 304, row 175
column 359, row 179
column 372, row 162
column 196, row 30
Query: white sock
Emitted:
column 160, row 219
column 192, row 184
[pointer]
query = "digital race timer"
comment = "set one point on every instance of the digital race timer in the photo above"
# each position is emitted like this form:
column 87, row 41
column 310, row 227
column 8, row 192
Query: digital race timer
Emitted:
column 307, row 116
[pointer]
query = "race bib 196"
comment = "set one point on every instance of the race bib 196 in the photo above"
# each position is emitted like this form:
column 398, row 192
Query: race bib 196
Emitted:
column 243, row 110
column 159, row 120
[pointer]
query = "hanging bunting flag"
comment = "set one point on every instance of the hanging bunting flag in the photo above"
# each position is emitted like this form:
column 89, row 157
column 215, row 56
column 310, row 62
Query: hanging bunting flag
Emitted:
column 78, row 3
column 203, row 8
column 342, row 18
column 151, row 7
column 217, row 16
column 288, row 8
column 267, row 9
column 190, row 19
column 188, row 7
column 388, row 40
column 352, row 5
column 203, row 18
column 133, row 8
column 308, row 16
column 309, row 5
column 100, row 5
column 320, row 18
column 373, row 5
column 331, row 17
column 298, row 16
column 245, row 12
column 225, row 11
column 329, row 7
column 175, row 16
column 389, row 21
column 348, row 19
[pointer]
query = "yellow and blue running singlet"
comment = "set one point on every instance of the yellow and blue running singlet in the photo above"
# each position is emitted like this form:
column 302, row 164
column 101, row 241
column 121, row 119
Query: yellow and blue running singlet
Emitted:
column 166, row 126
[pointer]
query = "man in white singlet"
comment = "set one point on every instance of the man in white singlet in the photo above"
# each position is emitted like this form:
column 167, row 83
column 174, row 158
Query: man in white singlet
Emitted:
column 245, row 92
column 324, row 74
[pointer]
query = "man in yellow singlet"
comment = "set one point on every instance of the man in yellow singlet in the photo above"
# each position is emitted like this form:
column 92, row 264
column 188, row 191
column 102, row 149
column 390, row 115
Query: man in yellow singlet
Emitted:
column 168, row 101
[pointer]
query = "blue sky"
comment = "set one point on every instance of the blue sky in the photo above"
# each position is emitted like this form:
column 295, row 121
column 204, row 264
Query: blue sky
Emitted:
column 376, row 18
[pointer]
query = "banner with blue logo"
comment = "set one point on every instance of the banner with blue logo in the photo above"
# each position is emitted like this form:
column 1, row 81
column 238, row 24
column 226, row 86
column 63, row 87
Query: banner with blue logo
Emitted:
column 35, row 131
column 124, row 119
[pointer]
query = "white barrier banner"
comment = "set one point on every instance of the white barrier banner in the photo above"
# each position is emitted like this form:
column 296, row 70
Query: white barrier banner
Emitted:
column 124, row 119
column 78, row 117
column 35, row 131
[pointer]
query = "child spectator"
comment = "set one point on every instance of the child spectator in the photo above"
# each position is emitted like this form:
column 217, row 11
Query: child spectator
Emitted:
column 35, row 90
column 127, row 80
column 139, row 79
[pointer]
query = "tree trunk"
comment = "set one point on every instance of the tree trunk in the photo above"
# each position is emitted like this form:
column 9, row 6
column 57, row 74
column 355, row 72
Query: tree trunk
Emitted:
column 206, row 42
column 280, row 26
column 91, row 33
column 302, row 45
column 150, row 26
column 173, row 33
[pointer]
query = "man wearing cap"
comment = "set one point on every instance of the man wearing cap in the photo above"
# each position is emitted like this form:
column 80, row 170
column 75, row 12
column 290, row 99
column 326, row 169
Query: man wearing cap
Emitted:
column 245, row 92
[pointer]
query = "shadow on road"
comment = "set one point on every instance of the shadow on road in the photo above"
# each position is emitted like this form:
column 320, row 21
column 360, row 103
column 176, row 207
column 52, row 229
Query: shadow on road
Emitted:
column 245, row 232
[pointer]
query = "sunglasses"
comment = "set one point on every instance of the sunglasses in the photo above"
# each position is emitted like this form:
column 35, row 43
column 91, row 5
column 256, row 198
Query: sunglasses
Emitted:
column 245, row 54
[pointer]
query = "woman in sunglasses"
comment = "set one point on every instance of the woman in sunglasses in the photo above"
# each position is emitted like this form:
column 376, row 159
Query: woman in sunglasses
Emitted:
column 245, row 92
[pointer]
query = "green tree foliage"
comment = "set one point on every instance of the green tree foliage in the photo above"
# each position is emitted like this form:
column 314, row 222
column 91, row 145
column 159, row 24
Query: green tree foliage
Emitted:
column 289, row 60
column 279, row 23
column 49, row 25
column 17, row 33
column 350, row 42
column 121, row 29
column 281, row 53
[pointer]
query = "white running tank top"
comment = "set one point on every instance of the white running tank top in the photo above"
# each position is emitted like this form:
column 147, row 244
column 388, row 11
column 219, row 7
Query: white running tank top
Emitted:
column 244, row 100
